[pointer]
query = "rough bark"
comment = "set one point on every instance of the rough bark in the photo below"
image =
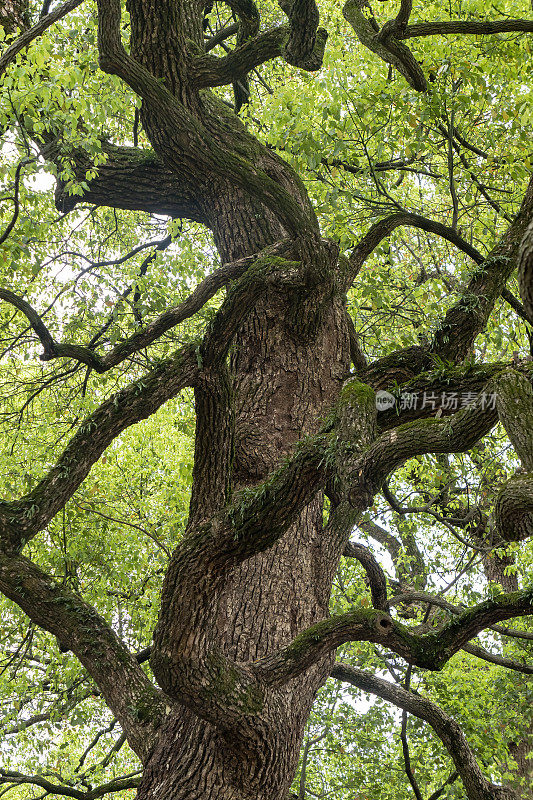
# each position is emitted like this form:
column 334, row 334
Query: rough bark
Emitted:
column 243, row 640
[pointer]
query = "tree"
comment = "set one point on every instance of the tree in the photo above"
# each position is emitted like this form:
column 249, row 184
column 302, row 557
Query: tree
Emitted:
column 421, row 167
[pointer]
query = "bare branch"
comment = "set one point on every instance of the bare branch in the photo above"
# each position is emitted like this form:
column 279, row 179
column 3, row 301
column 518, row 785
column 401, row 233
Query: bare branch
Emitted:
column 485, row 28
column 380, row 230
column 146, row 336
column 221, row 36
column 16, row 201
column 476, row 785
column 15, row 778
column 392, row 27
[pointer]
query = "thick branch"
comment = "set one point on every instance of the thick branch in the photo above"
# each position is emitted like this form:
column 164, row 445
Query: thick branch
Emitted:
column 426, row 597
column 514, row 509
column 214, row 408
column 316, row 642
column 190, row 139
column 211, row 71
column 456, row 433
column 430, row 651
column 132, row 179
column 306, row 42
column 514, row 505
column 525, row 272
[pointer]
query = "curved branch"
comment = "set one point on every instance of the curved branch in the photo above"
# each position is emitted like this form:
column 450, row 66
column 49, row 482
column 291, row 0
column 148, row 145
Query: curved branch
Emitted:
column 380, row 230
column 387, row 42
column 465, row 320
column 8, row 776
column 431, row 650
column 390, row 50
column 191, row 139
column 477, row 787
column 514, row 504
column 514, row 509
column 146, row 336
column 13, row 220
column 395, row 26
column 306, row 43
column 33, row 318
column 456, row 433
column 212, row 71
column 468, row 317
column 375, row 574
column 426, row 597
column 321, row 639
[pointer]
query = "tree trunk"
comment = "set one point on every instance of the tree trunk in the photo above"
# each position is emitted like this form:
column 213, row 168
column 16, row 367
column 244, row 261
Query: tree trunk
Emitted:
column 283, row 383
